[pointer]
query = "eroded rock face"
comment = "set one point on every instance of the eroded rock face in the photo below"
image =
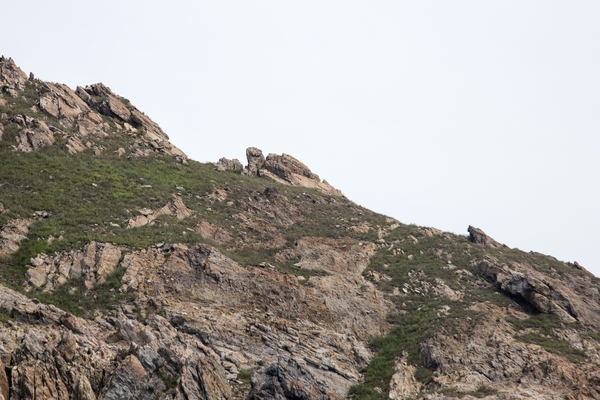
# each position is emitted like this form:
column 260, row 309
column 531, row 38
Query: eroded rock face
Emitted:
column 12, row 78
column 286, row 379
column 34, row 135
column 486, row 353
column 64, row 357
column 61, row 102
column 478, row 236
column 94, row 264
column 256, row 160
column 545, row 294
column 106, row 102
column 246, row 316
column 284, row 169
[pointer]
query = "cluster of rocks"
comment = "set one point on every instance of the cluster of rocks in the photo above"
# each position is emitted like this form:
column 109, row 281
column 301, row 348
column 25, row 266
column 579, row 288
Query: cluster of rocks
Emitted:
column 94, row 263
column 82, row 109
column 283, row 169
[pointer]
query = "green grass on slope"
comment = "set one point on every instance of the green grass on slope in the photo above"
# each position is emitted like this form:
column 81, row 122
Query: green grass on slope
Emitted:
column 93, row 198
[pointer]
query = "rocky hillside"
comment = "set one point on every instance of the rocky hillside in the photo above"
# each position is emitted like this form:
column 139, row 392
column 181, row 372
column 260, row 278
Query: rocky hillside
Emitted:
column 129, row 271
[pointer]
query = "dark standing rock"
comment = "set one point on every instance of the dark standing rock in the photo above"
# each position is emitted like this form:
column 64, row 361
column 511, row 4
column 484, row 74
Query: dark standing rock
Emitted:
column 478, row 236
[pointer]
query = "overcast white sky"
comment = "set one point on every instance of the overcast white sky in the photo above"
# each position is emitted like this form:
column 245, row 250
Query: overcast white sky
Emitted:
column 437, row 113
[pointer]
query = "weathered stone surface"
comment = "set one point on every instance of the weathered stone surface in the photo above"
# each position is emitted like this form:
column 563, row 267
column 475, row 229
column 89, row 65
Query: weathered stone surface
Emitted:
column 403, row 384
column 75, row 145
column 4, row 384
column 106, row 102
column 478, row 236
column 90, row 123
column 175, row 207
column 285, row 166
column 286, row 379
column 13, row 233
column 218, row 195
column 61, row 102
column 487, row 353
column 545, row 294
column 256, row 160
column 1, row 131
column 12, row 78
column 94, row 264
column 285, row 169
column 212, row 232
column 34, row 135
column 226, row 164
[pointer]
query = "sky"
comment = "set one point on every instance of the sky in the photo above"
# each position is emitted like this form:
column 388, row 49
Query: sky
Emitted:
column 438, row 113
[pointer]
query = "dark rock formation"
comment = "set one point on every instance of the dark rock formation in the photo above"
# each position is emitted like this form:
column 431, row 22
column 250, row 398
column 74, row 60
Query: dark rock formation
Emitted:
column 478, row 236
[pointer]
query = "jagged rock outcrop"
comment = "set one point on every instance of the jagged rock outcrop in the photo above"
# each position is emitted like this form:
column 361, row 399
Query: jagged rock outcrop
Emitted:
column 247, row 316
column 34, row 135
column 545, row 294
column 79, row 112
column 12, row 78
column 64, row 357
column 283, row 169
column 61, row 102
column 295, row 173
column 94, row 264
column 478, row 236
column 106, row 102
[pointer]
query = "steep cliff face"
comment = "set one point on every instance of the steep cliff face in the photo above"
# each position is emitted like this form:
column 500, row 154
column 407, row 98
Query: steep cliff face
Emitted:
column 130, row 271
